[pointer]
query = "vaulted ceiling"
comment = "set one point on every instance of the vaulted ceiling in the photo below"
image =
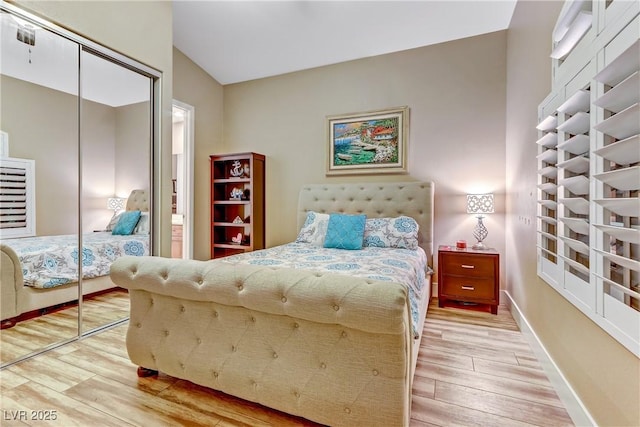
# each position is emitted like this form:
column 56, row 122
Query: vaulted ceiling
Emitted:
column 236, row 41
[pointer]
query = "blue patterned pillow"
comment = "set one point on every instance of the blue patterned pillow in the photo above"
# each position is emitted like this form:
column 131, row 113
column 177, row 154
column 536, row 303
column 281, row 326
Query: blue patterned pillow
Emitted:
column 400, row 232
column 345, row 231
column 127, row 223
column 314, row 229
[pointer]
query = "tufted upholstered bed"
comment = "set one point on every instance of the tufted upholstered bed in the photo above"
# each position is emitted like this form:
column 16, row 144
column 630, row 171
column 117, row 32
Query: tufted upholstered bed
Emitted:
column 17, row 298
column 332, row 348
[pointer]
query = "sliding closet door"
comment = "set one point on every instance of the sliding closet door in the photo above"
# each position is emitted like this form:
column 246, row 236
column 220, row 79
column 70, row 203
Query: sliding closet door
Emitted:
column 115, row 132
column 39, row 120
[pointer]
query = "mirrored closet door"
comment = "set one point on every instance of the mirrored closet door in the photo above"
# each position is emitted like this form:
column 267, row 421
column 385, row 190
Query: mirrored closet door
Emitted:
column 39, row 184
column 76, row 158
column 116, row 175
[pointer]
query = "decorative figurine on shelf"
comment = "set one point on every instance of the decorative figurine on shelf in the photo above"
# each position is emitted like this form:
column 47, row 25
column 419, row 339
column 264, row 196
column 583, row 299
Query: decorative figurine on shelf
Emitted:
column 237, row 240
column 247, row 170
column 237, row 193
column 238, row 220
column 236, row 171
column 246, row 194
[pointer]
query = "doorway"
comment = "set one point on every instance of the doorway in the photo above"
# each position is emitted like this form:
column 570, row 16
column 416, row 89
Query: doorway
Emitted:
column 182, row 181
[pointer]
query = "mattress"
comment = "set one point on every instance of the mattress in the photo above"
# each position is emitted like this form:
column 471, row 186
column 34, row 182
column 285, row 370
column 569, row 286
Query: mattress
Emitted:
column 50, row 261
column 405, row 266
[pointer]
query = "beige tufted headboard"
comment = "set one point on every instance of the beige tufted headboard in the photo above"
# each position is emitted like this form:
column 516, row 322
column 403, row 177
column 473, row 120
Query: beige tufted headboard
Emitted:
column 376, row 200
column 138, row 201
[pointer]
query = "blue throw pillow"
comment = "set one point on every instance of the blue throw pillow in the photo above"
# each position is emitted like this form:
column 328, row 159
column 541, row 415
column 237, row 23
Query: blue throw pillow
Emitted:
column 127, row 223
column 345, row 231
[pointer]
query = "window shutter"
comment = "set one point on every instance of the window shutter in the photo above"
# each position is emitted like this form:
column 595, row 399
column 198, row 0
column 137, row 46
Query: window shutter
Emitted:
column 17, row 198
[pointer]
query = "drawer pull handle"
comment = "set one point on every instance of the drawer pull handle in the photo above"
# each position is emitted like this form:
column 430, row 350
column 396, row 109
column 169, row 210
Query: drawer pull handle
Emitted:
column 467, row 266
column 468, row 288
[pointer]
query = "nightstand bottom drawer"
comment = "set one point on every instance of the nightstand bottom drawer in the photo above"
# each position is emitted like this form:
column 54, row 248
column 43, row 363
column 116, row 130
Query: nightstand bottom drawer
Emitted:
column 468, row 288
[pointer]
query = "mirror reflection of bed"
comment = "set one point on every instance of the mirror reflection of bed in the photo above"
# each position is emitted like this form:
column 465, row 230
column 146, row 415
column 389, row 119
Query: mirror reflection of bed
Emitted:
column 44, row 285
column 85, row 150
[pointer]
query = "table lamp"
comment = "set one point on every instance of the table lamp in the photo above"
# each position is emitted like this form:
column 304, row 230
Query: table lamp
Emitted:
column 480, row 204
column 116, row 204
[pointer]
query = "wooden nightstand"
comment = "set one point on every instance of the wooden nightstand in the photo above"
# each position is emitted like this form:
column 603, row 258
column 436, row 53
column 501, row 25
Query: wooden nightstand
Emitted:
column 468, row 276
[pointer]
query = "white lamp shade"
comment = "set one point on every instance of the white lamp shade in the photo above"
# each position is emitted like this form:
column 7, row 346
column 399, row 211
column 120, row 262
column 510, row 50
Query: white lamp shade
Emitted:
column 480, row 203
column 115, row 203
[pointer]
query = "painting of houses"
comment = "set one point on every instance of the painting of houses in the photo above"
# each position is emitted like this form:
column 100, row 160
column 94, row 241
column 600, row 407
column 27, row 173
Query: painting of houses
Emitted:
column 367, row 142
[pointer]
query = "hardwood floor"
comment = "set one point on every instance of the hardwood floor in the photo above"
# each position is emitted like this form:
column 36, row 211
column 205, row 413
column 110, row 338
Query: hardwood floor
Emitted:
column 30, row 335
column 474, row 369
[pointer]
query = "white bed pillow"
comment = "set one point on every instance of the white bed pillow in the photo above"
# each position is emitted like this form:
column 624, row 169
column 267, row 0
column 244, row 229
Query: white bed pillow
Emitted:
column 143, row 224
column 113, row 221
column 400, row 232
column 314, row 229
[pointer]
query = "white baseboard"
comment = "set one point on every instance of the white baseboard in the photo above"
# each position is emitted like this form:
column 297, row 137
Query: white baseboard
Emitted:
column 574, row 406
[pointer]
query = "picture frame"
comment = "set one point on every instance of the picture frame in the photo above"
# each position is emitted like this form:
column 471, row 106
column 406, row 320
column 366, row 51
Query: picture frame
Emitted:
column 370, row 142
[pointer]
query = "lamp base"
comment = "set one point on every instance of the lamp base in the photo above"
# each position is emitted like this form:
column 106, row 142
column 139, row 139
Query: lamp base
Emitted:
column 479, row 247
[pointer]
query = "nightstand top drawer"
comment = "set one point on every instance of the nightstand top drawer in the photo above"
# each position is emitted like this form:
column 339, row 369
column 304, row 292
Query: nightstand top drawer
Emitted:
column 468, row 264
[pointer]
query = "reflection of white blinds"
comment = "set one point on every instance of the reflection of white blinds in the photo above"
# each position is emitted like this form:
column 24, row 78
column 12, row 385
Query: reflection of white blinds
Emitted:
column 17, row 207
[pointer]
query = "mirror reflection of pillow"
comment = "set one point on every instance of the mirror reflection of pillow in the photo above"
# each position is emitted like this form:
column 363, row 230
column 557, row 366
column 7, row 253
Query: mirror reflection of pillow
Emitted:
column 127, row 223
column 112, row 223
column 143, row 224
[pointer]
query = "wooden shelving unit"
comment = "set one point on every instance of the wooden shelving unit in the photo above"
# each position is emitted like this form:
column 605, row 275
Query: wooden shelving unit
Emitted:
column 237, row 203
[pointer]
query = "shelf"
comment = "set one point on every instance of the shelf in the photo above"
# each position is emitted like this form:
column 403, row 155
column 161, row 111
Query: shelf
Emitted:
column 623, row 152
column 230, row 180
column 620, row 260
column 578, row 144
column 631, row 235
column 547, row 124
column 230, row 224
column 579, row 101
column 576, row 124
column 627, row 179
column 578, row 185
column 576, row 245
column 548, row 187
column 231, row 202
column 622, row 95
column 549, row 140
column 621, row 67
column 231, row 246
column 578, row 164
column 548, row 156
column 549, row 204
column 628, row 207
column 621, row 125
column 577, row 225
column 240, row 174
column 577, row 205
column 548, row 172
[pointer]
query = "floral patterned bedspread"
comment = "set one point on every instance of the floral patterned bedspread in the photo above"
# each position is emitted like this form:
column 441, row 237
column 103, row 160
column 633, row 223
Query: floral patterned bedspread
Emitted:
column 50, row 261
column 405, row 266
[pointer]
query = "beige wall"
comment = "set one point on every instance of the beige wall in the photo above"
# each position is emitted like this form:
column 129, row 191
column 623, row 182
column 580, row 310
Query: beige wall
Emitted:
column 195, row 87
column 456, row 95
column 42, row 125
column 602, row 372
column 143, row 31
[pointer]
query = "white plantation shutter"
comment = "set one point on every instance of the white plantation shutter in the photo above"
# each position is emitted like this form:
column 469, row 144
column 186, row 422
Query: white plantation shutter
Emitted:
column 589, row 173
column 17, row 198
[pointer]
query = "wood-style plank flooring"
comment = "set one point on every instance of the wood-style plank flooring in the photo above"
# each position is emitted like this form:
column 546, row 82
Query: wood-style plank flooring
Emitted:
column 474, row 369
column 40, row 332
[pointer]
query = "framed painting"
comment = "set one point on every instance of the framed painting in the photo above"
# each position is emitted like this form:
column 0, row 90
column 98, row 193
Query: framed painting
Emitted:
column 371, row 142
